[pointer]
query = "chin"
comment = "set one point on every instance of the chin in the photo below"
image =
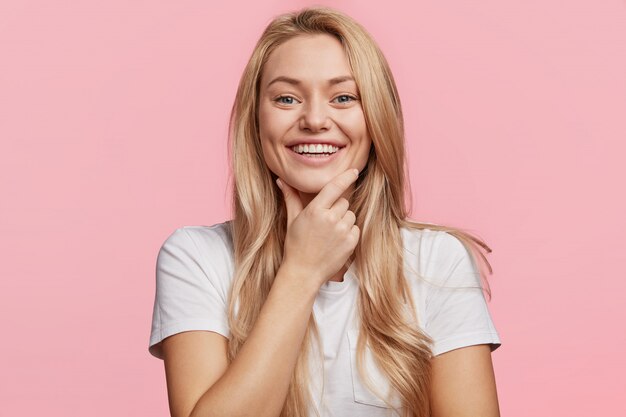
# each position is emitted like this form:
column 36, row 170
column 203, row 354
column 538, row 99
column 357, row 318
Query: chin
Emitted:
column 310, row 188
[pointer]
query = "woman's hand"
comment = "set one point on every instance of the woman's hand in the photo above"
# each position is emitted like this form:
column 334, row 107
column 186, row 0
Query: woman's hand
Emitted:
column 321, row 236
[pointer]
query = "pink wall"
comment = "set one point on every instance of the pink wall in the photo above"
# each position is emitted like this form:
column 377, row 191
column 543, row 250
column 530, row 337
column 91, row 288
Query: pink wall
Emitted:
column 113, row 133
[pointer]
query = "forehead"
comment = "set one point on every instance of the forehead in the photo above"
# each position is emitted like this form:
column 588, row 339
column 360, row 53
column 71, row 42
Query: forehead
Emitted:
column 308, row 58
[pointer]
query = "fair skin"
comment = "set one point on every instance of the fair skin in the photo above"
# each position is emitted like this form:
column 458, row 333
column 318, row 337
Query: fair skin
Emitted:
column 308, row 93
column 321, row 235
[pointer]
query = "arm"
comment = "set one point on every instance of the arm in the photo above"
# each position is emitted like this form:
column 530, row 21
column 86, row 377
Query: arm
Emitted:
column 256, row 382
column 193, row 360
column 463, row 383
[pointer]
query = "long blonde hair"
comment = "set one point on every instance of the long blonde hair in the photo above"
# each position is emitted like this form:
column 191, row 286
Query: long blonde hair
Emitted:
column 401, row 350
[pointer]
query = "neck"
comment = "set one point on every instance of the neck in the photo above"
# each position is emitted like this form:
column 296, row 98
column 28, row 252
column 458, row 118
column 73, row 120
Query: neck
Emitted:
column 338, row 277
column 306, row 198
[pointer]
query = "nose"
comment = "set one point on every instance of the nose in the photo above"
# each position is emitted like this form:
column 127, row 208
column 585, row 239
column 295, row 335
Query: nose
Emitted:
column 315, row 117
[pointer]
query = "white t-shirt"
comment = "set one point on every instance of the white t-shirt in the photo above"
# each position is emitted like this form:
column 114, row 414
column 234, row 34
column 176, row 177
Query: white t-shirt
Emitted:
column 194, row 272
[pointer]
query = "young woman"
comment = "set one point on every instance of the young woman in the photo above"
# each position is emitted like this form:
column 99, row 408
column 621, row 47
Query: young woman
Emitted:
column 321, row 297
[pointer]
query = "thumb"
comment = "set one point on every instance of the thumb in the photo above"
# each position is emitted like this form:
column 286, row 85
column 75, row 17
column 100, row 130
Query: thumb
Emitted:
column 292, row 201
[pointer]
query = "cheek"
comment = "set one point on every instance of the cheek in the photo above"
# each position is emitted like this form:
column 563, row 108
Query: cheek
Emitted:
column 268, row 138
column 269, row 135
column 265, row 121
column 272, row 117
column 270, row 157
column 268, row 148
column 353, row 124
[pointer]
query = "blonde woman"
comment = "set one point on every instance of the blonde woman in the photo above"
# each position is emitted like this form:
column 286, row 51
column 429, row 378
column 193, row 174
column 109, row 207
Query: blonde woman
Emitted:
column 320, row 297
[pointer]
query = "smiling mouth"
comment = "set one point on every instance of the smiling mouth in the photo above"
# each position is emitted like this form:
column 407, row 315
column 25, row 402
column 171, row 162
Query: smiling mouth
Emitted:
column 315, row 151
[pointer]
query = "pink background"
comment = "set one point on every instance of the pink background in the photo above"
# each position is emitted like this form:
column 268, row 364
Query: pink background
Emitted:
column 113, row 119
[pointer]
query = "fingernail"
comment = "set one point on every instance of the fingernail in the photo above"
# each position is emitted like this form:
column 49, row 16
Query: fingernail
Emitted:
column 279, row 183
column 356, row 172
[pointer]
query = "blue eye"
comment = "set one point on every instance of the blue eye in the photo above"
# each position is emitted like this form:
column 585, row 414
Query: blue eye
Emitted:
column 285, row 100
column 345, row 96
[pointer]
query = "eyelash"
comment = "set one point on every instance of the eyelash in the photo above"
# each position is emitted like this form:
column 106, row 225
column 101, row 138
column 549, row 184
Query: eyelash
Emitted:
column 349, row 96
column 277, row 99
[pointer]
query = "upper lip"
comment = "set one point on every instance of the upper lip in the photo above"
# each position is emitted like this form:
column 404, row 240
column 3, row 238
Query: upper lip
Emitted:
column 317, row 140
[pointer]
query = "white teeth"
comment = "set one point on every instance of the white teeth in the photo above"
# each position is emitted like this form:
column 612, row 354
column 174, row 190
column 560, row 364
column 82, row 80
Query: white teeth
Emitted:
column 314, row 148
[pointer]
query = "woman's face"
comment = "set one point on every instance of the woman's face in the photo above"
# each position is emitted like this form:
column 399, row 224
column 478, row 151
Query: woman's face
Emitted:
column 311, row 122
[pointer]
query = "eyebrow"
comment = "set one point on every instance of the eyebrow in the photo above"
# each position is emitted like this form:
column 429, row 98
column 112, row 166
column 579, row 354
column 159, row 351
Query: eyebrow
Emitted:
column 332, row 81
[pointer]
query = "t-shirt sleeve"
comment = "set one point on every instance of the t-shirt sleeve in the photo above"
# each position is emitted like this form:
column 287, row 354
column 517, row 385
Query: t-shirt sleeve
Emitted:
column 190, row 291
column 456, row 309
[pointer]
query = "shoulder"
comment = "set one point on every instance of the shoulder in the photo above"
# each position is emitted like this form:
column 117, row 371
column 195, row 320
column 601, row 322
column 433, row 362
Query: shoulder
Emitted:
column 434, row 254
column 193, row 277
column 430, row 246
column 215, row 237
column 210, row 247
column 436, row 242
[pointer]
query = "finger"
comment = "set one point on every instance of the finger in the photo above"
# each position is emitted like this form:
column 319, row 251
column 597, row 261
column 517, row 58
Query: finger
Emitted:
column 340, row 207
column 349, row 219
column 335, row 188
column 292, row 200
column 356, row 232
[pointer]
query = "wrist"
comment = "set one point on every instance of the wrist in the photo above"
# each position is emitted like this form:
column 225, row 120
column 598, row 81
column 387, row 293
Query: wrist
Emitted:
column 298, row 278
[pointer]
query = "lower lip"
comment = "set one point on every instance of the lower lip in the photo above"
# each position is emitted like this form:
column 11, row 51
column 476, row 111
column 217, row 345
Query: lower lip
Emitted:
column 315, row 160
